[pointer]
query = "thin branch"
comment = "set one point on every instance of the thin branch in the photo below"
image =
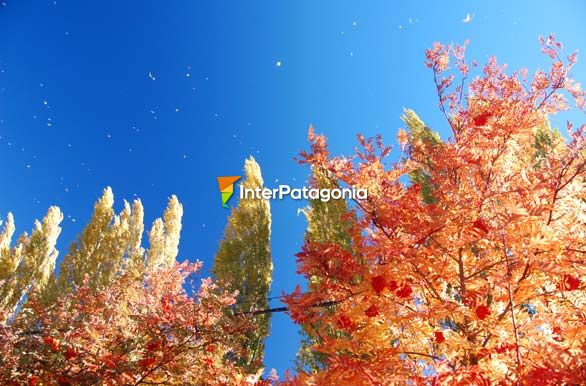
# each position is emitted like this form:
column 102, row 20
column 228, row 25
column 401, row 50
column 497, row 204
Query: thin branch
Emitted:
column 329, row 303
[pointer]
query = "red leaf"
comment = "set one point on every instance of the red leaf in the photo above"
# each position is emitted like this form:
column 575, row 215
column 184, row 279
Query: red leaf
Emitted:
column 480, row 225
column 371, row 311
column 147, row 362
column 439, row 337
column 570, row 283
column 110, row 360
column 378, row 283
column 345, row 322
column 52, row 343
column 153, row 345
column 481, row 120
column 482, row 312
column 63, row 381
column 505, row 347
column 166, row 303
column 404, row 292
column 70, row 353
column 471, row 299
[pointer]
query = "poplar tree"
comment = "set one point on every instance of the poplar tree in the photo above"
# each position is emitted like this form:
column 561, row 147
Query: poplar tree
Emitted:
column 109, row 245
column 327, row 223
column 423, row 141
column 112, row 243
column 243, row 263
column 25, row 268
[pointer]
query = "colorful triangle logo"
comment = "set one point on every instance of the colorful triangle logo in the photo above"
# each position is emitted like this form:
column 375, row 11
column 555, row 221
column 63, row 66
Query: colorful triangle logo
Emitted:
column 226, row 185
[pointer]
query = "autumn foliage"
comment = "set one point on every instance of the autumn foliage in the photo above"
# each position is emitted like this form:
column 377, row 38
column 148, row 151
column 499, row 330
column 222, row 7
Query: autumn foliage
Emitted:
column 131, row 332
column 464, row 266
column 473, row 248
column 117, row 313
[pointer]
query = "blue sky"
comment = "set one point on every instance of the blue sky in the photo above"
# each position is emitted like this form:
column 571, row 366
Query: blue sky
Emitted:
column 79, row 111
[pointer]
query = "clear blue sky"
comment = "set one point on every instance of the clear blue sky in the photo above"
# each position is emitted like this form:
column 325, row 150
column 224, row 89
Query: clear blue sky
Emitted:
column 78, row 110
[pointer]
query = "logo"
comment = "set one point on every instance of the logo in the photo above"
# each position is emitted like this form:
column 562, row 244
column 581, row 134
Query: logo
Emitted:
column 226, row 185
column 304, row 193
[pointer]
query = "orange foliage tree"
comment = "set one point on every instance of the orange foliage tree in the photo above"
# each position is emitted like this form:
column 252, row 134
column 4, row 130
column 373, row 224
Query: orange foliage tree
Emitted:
column 473, row 269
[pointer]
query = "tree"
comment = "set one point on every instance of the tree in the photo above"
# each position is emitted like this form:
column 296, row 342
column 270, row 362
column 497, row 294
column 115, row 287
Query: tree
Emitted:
column 243, row 264
column 111, row 244
column 25, row 268
column 328, row 224
column 328, row 221
column 474, row 267
column 464, row 265
column 425, row 141
column 117, row 313
column 130, row 332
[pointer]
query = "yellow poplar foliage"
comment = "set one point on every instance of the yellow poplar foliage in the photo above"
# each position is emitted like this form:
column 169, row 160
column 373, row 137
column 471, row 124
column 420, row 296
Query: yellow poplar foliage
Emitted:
column 27, row 266
column 243, row 263
column 111, row 243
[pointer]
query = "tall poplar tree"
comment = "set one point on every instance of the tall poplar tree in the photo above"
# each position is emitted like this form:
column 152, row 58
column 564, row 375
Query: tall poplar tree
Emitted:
column 423, row 141
column 108, row 246
column 25, row 268
column 111, row 244
column 243, row 263
column 327, row 223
